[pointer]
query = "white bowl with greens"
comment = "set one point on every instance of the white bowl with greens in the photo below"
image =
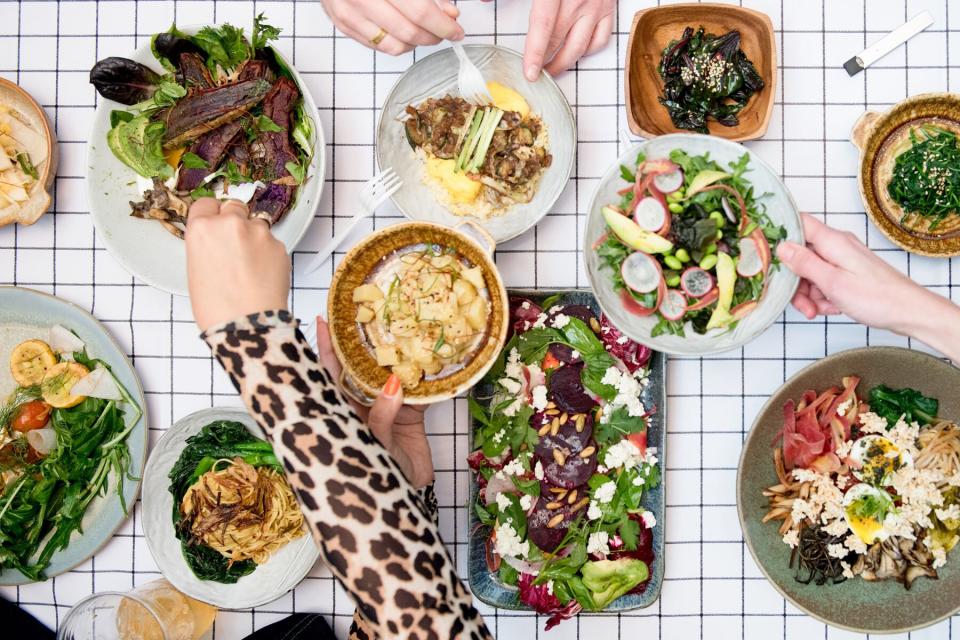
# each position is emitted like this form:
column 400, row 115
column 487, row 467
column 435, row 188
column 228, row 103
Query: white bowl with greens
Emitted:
column 189, row 115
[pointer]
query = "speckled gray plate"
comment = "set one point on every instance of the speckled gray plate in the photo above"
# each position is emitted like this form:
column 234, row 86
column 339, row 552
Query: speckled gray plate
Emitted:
column 435, row 76
column 278, row 575
column 858, row 605
column 104, row 515
column 484, row 584
column 780, row 207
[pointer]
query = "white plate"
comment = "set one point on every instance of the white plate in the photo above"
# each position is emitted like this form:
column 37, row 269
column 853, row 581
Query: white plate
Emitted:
column 143, row 247
column 281, row 573
column 435, row 76
column 780, row 207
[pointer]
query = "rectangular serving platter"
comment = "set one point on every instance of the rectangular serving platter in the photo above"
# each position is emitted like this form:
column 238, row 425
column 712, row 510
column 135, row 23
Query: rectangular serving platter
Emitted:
column 485, row 585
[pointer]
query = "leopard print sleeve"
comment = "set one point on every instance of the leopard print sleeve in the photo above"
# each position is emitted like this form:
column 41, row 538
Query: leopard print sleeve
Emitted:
column 375, row 531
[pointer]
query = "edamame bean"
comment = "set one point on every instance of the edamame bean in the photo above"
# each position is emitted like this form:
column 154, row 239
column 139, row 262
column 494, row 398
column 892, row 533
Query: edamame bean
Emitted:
column 712, row 247
column 719, row 217
column 672, row 262
column 673, row 280
column 675, row 207
column 719, row 234
column 682, row 255
column 676, row 196
column 708, row 262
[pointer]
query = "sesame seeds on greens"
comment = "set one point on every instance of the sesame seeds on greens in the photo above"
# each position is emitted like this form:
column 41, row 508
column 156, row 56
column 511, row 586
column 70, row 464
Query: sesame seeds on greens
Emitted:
column 926, row 177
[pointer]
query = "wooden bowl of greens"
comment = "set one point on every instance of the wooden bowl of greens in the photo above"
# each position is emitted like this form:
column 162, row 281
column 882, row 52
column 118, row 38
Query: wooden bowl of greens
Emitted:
column 674, row 81
column 909, row 172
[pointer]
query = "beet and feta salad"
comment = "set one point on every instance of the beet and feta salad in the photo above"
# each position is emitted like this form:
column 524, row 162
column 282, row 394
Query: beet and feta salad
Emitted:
column 689, row 242
column 562, row 461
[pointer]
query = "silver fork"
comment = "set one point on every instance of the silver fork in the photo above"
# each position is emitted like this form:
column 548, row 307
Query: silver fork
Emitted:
column 374, row 193
column 470, row 80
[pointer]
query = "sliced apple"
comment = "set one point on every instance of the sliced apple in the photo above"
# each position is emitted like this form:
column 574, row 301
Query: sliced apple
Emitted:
column 632, row 235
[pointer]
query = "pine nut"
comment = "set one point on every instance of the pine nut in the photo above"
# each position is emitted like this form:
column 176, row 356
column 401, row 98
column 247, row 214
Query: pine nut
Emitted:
column 544, row 430
column 555, row 520
column 563, row 419
column 580, row 422
column 573, row 497
column 589, row 451
column 594, row 325
column 558, row 490
column 580, row 505
column 559, row 457
column 554, row 505
column 552, row 412
column 555, row 427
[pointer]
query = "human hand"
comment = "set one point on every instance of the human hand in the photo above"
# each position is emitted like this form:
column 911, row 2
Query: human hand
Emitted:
column 235, row 266
column 399, row 427
column 563, row 31
column 839, row 274
column 406, row 23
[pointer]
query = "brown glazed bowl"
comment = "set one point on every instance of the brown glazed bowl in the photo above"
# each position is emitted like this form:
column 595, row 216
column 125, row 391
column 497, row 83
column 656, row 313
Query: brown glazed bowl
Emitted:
column 861, row 606
column 880, row 138
column 653, row 29
column 17, row 99
column 362, row 377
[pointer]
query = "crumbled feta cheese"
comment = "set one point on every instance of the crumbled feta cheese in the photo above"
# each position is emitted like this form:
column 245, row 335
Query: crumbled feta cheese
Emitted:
column 599, row 543
column 511, row 409
column 605, row 492
column 498, row 436
column 628, row 391
column 847, row 571
column 509, row 543
column 575, row 354
column 538, row 471
column 526, row 501
column 593, row 511
column 511, row 385
column 791, row 538
column 649, row 520
column 622, row 454
column 550, row 587
column 622, row 339
column 525, row 304
column 539, row 395
column 855, row 544
column 601, row 469
column 512, row 468
column 561, row 320
column 540, row 322
column 611, row 377
column 837, row 551
column 638, row 481
column 503, row 502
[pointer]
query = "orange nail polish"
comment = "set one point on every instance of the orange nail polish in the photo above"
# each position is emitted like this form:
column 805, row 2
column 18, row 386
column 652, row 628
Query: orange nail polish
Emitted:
column 393, row 385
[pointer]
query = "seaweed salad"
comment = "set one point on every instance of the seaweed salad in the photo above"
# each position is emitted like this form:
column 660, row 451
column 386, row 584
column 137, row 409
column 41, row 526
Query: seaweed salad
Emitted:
column 223, row 118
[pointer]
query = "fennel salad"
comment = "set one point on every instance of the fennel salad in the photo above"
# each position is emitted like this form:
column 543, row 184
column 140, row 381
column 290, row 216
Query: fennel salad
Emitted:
column 562, row 461
column 689, row 242
column 222, row 117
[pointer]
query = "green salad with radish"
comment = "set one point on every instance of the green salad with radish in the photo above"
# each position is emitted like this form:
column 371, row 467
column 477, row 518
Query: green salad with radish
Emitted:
column 689, row 242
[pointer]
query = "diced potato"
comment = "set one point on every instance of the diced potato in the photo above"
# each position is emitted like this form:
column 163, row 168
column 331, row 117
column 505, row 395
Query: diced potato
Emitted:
column 364, row 314
column 404, row 327
column 423, row 355
column 474, row 275
column 441, row 261
column 409, row 374
column 434, row 367
column 458, row 327
column 441, row 311
column 465, row 291
column 386, row 356
column 367, row 293
column 477, row 313
column 446, row 351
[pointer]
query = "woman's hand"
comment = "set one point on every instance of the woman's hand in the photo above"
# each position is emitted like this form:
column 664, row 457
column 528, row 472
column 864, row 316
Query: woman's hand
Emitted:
column 395, row 26
column 235, row 266
column 839, row 274
column 563, row 31
column 398, row 427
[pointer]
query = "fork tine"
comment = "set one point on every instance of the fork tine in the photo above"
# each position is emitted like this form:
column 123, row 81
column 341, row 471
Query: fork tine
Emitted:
column 395, row 180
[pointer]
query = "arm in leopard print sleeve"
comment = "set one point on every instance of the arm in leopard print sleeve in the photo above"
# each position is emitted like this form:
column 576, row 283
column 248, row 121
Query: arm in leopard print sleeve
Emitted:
column 375, row 532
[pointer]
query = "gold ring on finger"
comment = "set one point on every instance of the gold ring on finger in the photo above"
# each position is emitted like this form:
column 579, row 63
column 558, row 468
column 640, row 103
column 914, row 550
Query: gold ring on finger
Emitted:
column 377, row 39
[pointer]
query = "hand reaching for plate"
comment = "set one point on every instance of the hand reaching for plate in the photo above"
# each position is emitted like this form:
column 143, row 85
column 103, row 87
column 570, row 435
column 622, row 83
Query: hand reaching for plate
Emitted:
column 839, row 274
column 395, row 26
column 399, row 427
column 563, row 31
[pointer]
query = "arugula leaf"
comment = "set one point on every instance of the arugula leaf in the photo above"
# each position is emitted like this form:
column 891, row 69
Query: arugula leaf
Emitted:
column 627, row 174
column 595, row 366
column 618, row 424
column 486, row 518
column 201, row 192
column 582, row 338
column 529, row 486
column 190, row 160
column 629, row 533
column 515, row 514
column 225, row 46
column 264, row 123
column 166, row 95
column 508, row 575
column 533, row 344
column 263, row 33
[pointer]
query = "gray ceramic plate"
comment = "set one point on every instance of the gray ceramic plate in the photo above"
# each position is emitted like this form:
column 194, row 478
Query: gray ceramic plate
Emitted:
column 143, row 247
column 104, row 515
column 435, row 76
column 281, row 573
column 870, row 607
column 780, row 207
column 484, row 584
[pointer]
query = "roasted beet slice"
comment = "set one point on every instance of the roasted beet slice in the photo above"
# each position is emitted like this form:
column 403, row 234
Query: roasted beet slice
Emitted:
column 562, row 352
column 566, row 390
column 523, row 313
column 538, row 531
column 568, row 440
column 574, row 471
column 572, row 310
column 633, row 354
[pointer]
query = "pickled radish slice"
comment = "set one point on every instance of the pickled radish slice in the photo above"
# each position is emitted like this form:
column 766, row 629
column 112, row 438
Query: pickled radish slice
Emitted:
column 696, row 282
column 669, row 182
column 650, row 214
column 674, row 305
column 641, row 272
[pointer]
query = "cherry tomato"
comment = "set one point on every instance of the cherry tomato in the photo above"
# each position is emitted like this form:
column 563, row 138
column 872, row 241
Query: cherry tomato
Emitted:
column 639, row 440
column 549, row 362
column 33, row 415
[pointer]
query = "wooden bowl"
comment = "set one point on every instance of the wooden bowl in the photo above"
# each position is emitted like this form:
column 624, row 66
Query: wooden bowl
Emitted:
column 653, row 29
column 880, row 137
column 362, row 377
column 15, row 98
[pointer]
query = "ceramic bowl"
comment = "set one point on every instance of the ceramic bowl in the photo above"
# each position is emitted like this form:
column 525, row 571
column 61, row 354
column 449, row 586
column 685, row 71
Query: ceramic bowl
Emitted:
column 105, row 514
column 653, row 29
column 362, row 377
column 13, row 97
column 144, row 248
column 881, row 136
column 436, row 76
column 858, row 605
column 780, row 207
column 285, row 568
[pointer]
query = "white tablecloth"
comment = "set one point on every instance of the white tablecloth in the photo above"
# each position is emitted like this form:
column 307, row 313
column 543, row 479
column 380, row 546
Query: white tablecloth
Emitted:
column 712, row 587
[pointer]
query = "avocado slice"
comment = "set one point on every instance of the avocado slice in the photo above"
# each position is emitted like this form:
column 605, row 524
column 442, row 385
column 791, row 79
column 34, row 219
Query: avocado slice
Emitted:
column 610, row 579
column 726, row 279
column 704, row 179
column 137, row 143
column 633, row 235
